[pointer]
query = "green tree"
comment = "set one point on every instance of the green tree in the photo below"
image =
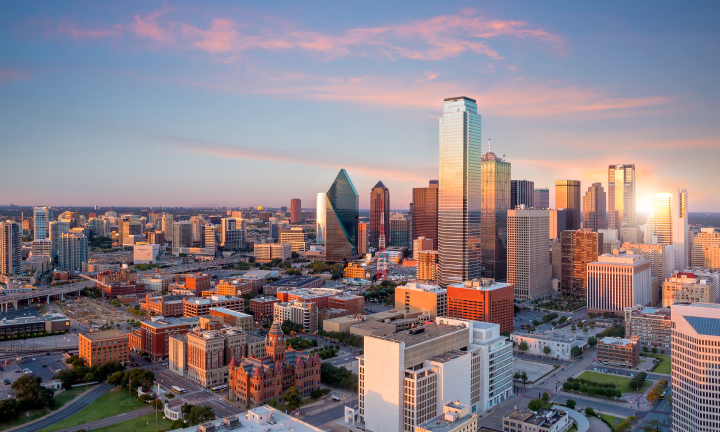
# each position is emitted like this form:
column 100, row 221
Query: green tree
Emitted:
column 177, row 424
column 31, row 394
column 89, row 377
column 571, row 403
column 575, row 351
column 75, row 361
column 535, row 404
column 9, row 409
column 589, row 411
column 292, row 397
column 516, row 376
column 197, row 414
column 547, row 350
column 524, row 377
column 654, row 350
column 585, row 329
column 523, row 346
column 545, row 397
column 573, row 328
column 592, row 341
column 645, row 349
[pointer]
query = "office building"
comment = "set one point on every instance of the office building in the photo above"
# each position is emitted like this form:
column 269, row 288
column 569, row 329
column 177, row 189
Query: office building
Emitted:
column 560, row 345
column 41, row 248
column 210, row 351
column 129, row 225
column 21, row 327
column 99, row 227
column 558, row 222
column 522, row 192
column 567, row 196
column 341, row 216
column 618, row 352
column 295, row 210
column 594, row 210
column 295, row 237
column 363, row 238
column 199, row 306
column 495, row 202
column 10, row 247
column 57, row 228
column 232, row 236
column 234, row 287
column 528, row 260
column 379, row 214
column 630, row 234
column 354, row 304
column 455, row 417
column 356, row 271
column 670, row 224
column 301, row 313
column 542, row 198
column 41, row 222
column 197, row 228
column 103, row 346
column 399, row 231
column 167, row 222
column 419, row 297
column 406, row 378
column 621, row 195
column 233, row 318
column 262, row 307
column 166, row 306
column 684, row 287
column 650, row 326
column 616, row 282
column 266, row 252
column 459, row 191
column 425, row 212
column 320, row 224
column 578, row 248
column 695, row 361
column 182, row 234
column 544, row 420
column 711, row 255
column 705, row 238
column 152, row 338
column 482, row 300
column 421, row 244
column 427, row 266
column 72, row 251
column 661, row 257
column 144, row 253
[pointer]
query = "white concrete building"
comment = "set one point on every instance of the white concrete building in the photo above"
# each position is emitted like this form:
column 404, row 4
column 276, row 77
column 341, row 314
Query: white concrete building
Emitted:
column 616, row 282
column 41, row 248
column 528, row 259
column 560, row 346
column 144, row 253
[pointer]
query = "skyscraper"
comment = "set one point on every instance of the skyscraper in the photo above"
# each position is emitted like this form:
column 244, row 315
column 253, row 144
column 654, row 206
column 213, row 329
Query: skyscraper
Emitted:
column 362, row 238
column 379, row 211
column 72, row 251
column 42, row 217
column 621, row 195
column 459, row 192
column 670, row 223
column 10, row 247
column 398, row 231
column 425, row 213
column 295, row 210
column 495, row 202
column 320, row 218
column 522, row 192
column 341, row 215
column 542, row 198
column 528, row 253
column 594, row 213
column 182, row 234
column 578, row 249
column 567, row 196
column 56, row 229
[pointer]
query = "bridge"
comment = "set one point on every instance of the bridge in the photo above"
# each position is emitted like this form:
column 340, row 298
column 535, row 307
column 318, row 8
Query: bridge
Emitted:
column 60, row 291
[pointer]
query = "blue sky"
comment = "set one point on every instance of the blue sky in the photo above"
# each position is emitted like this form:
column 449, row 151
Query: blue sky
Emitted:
column 239, row 104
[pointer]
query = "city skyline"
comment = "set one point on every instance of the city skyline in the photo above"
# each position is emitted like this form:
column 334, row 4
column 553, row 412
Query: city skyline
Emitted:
column 208, row 76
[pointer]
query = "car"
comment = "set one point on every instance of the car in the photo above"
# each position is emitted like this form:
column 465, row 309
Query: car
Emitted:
column 44, row 365
column 580, row 357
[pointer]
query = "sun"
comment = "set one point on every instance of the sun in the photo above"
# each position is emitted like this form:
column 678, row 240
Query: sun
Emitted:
column 644, row 204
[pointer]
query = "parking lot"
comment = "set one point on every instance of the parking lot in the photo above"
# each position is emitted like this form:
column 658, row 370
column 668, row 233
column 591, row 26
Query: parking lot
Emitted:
column 534, row 370
column 42, row 366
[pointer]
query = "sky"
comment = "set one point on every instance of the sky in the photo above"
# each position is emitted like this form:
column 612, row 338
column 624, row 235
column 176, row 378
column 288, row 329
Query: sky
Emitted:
column 235, row 104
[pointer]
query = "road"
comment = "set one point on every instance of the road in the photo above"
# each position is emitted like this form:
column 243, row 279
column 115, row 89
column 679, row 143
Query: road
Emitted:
column 73, row 407
column 326, row 416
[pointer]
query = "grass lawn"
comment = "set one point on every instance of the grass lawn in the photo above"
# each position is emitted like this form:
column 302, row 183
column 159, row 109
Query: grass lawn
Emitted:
column 23, row 418
column 614, row 421
column 621, row 383
column 111, row 403
column 145, row 423
column 67, row 395
column 664, row 366
column 572, row 429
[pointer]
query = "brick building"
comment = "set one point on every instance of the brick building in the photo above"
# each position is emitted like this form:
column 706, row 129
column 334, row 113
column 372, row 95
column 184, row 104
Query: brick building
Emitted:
column 352, row 303
column 293, row 283
column 319, row 296
column 234, row 287
column 651, row 326
column 234, row 318
column 198, row 306
column 618, row 352
column 152, row 338
column 103, row 346
column 116, row 289
column 482, row 300
column 167, row 306
column 108, row 277
column 262, row 307
column 255, row 381
column 197, row 282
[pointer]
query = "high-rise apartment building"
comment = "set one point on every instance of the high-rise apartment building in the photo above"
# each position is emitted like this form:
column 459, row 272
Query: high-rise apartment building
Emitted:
column 482, row 300
column 542, row 198
column 528, row 257
column 379, row 214
column 320, row 224
column 419, row 297
column 341, row 216
column 616, row 282
column 295, row 210
column 567, row 196
column 495, row 202
column 427, row 266
column 232, row 236
column 197, row 228
column 421, row 244
column 72, row 251
column 621, row 195
column 167, row 223
column 399, row 235
column 42, row 248
column 459, row 191
column 182, row 234
column 695, row 348
column 57, row 228
column 41, row 219
column 10, row 247
column 684, row 287
column 594, row 211
column 406, row 378
column 522, row 192
column 670, row 224
column 578, row 249
column 425, row 212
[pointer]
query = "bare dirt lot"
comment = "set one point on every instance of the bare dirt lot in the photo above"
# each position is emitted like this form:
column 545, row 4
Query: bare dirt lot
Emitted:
column 93, row 312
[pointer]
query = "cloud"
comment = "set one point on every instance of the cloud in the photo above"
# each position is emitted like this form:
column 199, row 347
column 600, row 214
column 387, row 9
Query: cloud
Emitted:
column 148, row 26
column 429, row 76
column 72, row 29
column 8, row 75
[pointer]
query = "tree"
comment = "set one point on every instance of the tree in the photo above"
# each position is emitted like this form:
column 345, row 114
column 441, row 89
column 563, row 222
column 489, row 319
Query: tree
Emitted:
column 523, row 346
column 196, row 414
column 516, row 376
column 89, row 377
column 638, row 381
column 535, row 404
column 9, row 409
column 545, row 397
column 292, row 397
column 592, row 341
column 662, row 352
column 654, row 350
column 571, row 403
column 272, row 403
column 75, row 361
column 547, row 350
column 589, row 411
column 585, row 329
column 575, row 351
column 177, row 424
column 524, row 377
column 157, row 404
column 573, row 328
column 144, row 398
column 31, row 394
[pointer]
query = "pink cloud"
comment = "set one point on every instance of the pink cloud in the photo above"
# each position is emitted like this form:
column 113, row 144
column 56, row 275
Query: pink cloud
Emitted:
column 8, row 75
column 72, row 29
column 148, row 26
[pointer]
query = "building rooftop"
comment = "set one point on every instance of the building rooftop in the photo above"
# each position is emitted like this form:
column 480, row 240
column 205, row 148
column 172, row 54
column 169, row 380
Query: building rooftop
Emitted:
column 294, row 281
column 258, row 274
column 210, row 300
column 231, row 312
column 345, row 319
column 445, row 422
column 548, row 337
column 105, row 334
column 265, row 299
column 616, row 341
column 423, row 334
column 160, row 322
column 32, row 319
column 483, row 284
column 417, row 286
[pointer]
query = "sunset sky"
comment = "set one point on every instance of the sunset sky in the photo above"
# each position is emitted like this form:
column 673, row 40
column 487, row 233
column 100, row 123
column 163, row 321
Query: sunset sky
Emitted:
column 227, row 103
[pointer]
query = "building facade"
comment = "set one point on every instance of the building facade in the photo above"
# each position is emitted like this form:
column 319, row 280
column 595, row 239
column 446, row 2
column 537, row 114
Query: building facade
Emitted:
column 425, row 212
column 621, row 195
column 103, row 346
column 427, row 266
column 670, row 224
column 153, row 337
column 72, row 251
column 528, row 258
column 567, row 196
column 618, row 352
column 522, row 192
column 198, row 306
column 651, row 326
column 495, row 202
column 616, row 282
column 482, row 300
column 379, row 214
column 578, row 249
column 542, row 198
column 10, row 247
column 295, row 210
column 685, row 287
column 419, row 297
column 341, row 218
column 320, row 224
column 41, row 222
column 266, row 252
column 594, row 208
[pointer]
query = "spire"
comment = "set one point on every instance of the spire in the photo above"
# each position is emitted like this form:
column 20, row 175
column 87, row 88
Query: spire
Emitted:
column 489, row 145
column 379, row 185
column 233, row 362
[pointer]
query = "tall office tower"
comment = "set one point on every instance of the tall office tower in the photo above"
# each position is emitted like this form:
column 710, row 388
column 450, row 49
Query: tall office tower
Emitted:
column 621, row 195
column 558, row 222
column 594, row 212
column 197, row 229
column 363, row 237
column 398, row 231
column 671, row 224
column 295, row 210
column 567, row 196
column 459, row 191
column 320, row 224
column 522, row 192
column 528, row 253
column 10, row 247
column 72, row 251
column 542, row 198
column 342, row 207
column 495, row 202
column 274, row 225
column 129, row 225
column 618, row 281
column 182, row 234
column 57, row 228
column 578, row 249
column 167, row 223
column 232, row 236
column 405, row 378
column 209, row 235
column 410, row 225
column 425, row 212
column 42, row 217
column 379, row 211
column 694, row 348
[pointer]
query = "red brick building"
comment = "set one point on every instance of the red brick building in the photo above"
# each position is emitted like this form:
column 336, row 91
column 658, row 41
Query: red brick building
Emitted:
column 108, row 277
column 198, row 282
column 263, row 307
column 167, row 306
column 122, row 288
column 255, row 381
column 198, row 306
column 152, row 337
column 318, row 296
column 482, row 300
column 352, row 303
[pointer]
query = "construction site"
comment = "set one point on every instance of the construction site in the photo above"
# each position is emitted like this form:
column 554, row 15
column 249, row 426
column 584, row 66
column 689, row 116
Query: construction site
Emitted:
column 94, row 313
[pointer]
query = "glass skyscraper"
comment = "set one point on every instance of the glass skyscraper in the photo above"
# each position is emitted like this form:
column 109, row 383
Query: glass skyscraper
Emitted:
column 567, row 196
column 379, row 205
column 320, row 218
column 459, row 191
column 42, row 217
column 621, row 195
column 341, row 217
column 495, row 202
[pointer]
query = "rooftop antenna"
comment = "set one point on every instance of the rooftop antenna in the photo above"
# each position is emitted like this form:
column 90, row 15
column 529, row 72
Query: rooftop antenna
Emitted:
column 489, row 145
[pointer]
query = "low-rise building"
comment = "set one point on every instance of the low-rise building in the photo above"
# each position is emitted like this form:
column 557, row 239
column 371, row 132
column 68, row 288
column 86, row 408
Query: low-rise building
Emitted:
column 156, row 283
column 618, row 352
column 560, row 346
column 356, row 271
column 341, row 324
column 152, row 338
column 318, row 296
column 234, row 318
column 145, row 253
column 302, row 313
column 419, row 297
column 293, row 283
column 116, row 289
column 685, row 287
column 544, row 420
column 22, row 327
column 456, row 417
column 354, row 304
column 103, row 346
column 258, row 278
column 263, row 307
column 167, row 306
column 209, row 353
column 484, row 300
column 234, row 287
column 651, row 326
column 267, row 252
column 198, row 306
